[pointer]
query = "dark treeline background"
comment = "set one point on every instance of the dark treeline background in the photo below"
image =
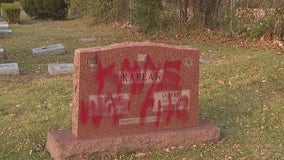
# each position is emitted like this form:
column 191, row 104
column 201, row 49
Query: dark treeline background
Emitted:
column 246, row 18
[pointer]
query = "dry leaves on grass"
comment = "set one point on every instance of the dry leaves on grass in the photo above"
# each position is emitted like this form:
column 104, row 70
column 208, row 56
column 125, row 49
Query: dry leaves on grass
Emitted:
column 140, row 154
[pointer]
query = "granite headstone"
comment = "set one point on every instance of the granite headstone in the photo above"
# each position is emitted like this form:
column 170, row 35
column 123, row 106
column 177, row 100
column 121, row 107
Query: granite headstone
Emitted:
column 132, row 96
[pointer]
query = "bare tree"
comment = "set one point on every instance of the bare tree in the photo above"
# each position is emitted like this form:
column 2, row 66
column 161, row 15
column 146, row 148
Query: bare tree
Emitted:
column 183, row 6
column 206, row 12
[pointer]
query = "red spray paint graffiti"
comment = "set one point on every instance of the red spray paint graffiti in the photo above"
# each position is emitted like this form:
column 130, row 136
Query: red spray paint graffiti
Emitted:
column 163, row 77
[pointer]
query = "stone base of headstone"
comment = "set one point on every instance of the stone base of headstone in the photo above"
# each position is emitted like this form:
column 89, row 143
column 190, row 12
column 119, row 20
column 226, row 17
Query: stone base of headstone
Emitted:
column 62, row 144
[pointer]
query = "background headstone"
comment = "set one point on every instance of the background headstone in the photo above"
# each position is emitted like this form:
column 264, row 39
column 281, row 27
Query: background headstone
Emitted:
column 55, row 49
column 2, row 55
column 204, row 61
column 88, row 40
column 58, row 69
column 9, row 69
column 5, row 31
column 4, row 24
column 4, row 28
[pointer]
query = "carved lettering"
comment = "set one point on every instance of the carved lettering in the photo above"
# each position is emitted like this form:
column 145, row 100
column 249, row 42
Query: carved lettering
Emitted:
column 141, row 77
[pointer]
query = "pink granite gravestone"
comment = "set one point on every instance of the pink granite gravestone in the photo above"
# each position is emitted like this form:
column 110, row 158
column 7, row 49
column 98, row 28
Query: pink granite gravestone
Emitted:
column 132, row 96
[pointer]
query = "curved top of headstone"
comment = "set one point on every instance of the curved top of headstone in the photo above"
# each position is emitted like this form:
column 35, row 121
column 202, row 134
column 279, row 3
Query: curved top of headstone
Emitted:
column 132, row 44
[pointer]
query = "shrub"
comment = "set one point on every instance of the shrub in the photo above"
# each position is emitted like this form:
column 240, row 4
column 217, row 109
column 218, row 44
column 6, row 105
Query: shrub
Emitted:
column 11, row 12
column 100, row 10
column 6, row 1
column 146, row 14
column 54, row 9
column 271, row 26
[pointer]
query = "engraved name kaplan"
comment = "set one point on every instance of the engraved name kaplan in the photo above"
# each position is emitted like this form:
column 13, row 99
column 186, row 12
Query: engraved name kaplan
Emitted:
column 141, row 76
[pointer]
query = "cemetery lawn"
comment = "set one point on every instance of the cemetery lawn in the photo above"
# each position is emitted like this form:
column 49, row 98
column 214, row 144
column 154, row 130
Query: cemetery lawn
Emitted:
column 241, row 91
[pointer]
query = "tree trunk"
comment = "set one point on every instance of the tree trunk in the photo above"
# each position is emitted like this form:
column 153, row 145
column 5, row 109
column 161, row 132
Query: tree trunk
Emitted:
column 212, row 13
column 206, row 13
column 183, row 17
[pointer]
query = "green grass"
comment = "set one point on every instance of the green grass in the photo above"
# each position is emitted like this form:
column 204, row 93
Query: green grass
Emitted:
column 241, row 91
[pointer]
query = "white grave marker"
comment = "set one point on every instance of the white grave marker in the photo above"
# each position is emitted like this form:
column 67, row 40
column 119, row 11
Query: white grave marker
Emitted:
column 57, row 69
column 5, row 31
column 9, row 69
column 2, row 53
column 4, row 24
column 55, row 49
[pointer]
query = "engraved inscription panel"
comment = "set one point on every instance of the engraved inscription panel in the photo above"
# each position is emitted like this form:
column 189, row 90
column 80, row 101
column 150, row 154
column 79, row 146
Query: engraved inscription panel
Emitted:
column 110, row 104
column 174, row 100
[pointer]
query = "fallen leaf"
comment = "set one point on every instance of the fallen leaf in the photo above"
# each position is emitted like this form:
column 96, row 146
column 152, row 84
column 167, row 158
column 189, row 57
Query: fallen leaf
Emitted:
column 221, row 82
column 140, row 154
column 12, row 115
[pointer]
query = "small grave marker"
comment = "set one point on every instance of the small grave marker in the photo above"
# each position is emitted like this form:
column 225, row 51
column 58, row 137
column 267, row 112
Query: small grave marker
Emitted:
column 204, row 61
column 88, row 40
column 5, row 31
column 4, row 28
column 4, row 24
column 58, row 69
column 2, row 55
column 132, row 96
column 55, row 49
column 9, row 69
